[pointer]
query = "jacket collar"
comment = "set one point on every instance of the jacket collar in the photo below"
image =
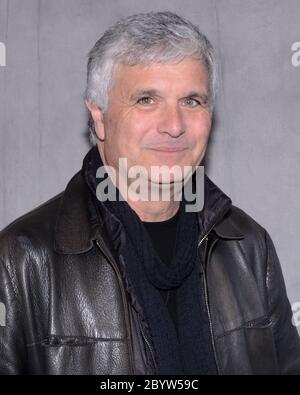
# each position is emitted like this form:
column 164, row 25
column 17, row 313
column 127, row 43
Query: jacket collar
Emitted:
column 217, row 212
column 76, row 228
column 74, row 231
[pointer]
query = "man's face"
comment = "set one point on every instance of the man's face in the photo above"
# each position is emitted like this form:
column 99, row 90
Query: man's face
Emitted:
column 157, row 115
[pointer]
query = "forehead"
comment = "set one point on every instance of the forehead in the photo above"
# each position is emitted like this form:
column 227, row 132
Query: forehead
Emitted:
column 186, row 74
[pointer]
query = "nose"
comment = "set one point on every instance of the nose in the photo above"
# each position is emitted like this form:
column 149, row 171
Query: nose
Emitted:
column 171, row 121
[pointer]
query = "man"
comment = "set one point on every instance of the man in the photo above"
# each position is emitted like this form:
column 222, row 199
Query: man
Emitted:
column 97, row 285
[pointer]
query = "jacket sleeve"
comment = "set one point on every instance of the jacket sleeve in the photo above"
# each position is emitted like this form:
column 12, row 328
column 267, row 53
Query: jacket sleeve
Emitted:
column 11, row 345
column 286, row 337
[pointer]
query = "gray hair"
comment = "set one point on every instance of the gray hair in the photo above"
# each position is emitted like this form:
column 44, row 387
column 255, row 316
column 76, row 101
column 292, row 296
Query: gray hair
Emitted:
column 144, row 39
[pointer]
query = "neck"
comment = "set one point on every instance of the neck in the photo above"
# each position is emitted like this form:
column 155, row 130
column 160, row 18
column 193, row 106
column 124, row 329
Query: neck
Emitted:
column 154, row 211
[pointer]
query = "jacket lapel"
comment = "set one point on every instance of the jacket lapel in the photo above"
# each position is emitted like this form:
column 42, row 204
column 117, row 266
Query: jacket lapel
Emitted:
column 74, row 232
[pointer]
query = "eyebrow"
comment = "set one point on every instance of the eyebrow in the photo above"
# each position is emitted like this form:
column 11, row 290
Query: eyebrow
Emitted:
column 197, row 94
column 144, row 92
column 155, row 92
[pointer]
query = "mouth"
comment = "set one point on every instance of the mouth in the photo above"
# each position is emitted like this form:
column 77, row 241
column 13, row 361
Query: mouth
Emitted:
column 168, row 150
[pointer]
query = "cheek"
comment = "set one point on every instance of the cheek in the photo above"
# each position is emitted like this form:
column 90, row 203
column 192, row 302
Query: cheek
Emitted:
column 137, row 131
column 205, row 121
column 124, row 139
column 115, row 133
column 201, row 131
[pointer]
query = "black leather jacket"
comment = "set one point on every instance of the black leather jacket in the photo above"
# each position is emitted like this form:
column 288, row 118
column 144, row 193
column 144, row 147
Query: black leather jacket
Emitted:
column 68, row 311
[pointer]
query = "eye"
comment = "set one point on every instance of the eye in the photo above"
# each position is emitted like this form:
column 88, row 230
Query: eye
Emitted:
column 146, row 100
column 191, row 102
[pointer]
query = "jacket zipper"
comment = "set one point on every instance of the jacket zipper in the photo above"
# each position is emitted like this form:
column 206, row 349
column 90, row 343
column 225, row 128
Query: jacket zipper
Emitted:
column 148, row 344
column 205, row 237
column 125, row 304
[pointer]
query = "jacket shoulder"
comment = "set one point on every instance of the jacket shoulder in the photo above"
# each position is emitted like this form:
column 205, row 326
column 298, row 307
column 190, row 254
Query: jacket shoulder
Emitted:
column 244, row 221
column 27, row 230
column 240, row 225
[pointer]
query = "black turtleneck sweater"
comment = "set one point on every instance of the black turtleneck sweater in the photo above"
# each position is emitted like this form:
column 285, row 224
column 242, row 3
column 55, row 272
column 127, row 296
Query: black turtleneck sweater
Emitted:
column 163, row 237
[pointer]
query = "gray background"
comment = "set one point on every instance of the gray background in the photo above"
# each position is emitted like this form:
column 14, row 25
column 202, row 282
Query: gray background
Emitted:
column 255, row 146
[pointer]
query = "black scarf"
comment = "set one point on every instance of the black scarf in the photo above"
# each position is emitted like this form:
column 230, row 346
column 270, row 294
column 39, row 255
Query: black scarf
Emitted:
column 189, row 349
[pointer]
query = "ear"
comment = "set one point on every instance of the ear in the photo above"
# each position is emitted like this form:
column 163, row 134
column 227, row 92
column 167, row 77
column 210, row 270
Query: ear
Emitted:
column 97, row 116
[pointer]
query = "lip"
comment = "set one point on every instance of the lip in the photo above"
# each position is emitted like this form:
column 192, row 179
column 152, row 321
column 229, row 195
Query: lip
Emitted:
column 168, row 149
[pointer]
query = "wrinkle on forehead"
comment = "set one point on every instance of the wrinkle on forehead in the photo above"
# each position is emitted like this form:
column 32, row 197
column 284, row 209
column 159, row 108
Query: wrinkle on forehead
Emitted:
column 190, row 74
